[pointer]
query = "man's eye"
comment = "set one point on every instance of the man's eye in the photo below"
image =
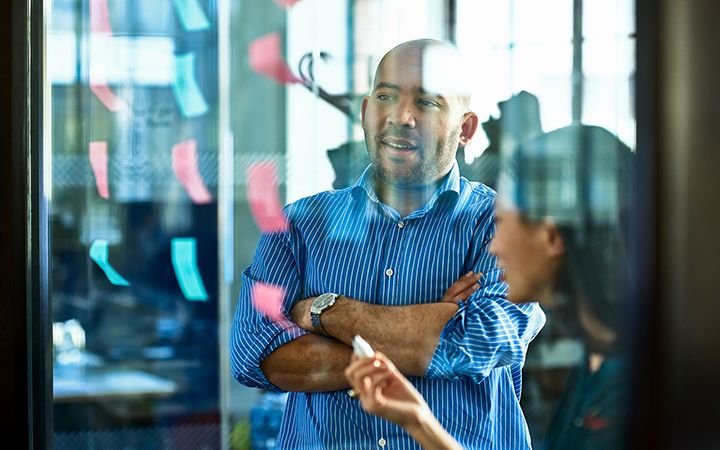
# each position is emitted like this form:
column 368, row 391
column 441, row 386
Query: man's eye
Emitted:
column 384, row 97
column 428, row 103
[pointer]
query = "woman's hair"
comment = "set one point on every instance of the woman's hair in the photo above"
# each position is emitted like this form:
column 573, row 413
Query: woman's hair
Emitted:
column 578, row 178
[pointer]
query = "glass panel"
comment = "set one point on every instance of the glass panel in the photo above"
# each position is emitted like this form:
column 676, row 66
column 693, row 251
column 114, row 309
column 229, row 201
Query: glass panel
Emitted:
column 181, row 127
column 134, row 150
column 609, row 68
column 524, row 53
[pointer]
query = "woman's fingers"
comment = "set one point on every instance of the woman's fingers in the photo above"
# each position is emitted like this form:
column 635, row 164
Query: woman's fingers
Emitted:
column 362, row 368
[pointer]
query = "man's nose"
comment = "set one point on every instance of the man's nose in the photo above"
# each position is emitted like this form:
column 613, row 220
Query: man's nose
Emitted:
column 403, row 115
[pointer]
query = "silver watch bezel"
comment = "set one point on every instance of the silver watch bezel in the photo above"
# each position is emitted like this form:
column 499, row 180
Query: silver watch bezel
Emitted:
column 322, row 302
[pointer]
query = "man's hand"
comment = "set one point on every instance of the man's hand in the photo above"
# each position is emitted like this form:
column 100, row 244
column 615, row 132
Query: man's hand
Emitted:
column 300, row 314
column 462, row 288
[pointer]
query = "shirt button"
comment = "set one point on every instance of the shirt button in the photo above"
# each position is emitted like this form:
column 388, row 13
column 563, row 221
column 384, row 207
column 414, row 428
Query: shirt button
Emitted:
column 389, row 272
column 401, row 224
column 578, row 422
column 382, row 442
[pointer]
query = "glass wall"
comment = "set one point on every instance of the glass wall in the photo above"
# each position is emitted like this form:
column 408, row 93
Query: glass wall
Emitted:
column 134, row 151
column 180, row 127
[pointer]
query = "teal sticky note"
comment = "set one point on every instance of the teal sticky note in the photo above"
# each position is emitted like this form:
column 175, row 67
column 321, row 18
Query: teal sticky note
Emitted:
column 187, row 93
column 184, row 261
column 99, row 254
column 191, row 15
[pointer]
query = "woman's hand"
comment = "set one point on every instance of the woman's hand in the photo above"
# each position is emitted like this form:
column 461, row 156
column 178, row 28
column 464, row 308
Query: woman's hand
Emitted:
column 384, row 391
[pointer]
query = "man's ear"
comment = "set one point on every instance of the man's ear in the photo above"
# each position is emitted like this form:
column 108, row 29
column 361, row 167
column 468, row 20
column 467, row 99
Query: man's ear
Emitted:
column 554, row 240
column 468, row 128
column 362, row 109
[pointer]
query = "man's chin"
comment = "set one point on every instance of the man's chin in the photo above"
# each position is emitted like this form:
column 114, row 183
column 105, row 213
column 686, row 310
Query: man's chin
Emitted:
column 399, row 175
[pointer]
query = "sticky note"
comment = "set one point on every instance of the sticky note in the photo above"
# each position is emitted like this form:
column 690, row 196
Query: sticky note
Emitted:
column 286, row 3
column 99, row 162
column 100, row 32
column 189, row 98
column 191, row 15
column 99, row 254
column 265, row 54
column 267, row 299
column 100, row 17
column 108, row 98
column 264, row 197
column 185, row 166
column 184, row 260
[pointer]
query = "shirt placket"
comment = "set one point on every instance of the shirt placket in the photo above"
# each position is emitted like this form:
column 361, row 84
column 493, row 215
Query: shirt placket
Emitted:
column 381, row 435
column 393, row 266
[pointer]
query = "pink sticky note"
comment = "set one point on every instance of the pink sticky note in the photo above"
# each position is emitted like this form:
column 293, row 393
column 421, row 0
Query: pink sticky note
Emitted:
column 101, row 30
column 107, row 97
column 264, row 197
column 286, row 3
column 266, row 58
column 268, row 299
column 185, row 166
column 99, row 162
column 100, row 17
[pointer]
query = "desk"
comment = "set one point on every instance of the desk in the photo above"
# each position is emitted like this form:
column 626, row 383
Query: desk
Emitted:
column 100, row 383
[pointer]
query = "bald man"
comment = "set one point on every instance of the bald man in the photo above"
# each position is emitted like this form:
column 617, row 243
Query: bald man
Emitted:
column 400, row 258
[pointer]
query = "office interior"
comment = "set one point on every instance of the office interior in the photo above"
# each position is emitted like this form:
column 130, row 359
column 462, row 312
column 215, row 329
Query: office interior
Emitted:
column 132, row 132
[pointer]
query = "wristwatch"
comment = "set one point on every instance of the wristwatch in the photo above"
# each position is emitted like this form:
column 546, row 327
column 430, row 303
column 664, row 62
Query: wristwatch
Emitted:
column 320, row 304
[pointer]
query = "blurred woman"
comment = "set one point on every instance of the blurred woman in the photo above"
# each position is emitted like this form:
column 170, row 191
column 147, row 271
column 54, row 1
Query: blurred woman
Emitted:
column 560, row 214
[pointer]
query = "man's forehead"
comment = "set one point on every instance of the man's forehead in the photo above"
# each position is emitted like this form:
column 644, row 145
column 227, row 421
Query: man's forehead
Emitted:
column 432, row 69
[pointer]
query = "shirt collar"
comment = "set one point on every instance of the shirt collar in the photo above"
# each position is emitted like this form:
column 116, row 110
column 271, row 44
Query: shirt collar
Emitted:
column 450, row 184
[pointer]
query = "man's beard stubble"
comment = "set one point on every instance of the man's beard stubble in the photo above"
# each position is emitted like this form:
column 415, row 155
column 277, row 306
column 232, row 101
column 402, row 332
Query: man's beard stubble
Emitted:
column 428, row 170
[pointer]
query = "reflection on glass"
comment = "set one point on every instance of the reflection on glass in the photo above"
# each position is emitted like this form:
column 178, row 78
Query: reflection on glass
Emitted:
column 133, row 223
column 137, row 300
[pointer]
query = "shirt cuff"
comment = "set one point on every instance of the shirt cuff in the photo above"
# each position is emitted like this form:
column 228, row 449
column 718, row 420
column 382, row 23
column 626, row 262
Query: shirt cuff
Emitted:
column 441, row 363
column 251, row 374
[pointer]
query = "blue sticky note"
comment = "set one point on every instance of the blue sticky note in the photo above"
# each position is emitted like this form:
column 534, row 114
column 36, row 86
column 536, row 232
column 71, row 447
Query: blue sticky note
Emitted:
column 191, row 15
column 187, row 92
column 184, row 261
column 99, row 254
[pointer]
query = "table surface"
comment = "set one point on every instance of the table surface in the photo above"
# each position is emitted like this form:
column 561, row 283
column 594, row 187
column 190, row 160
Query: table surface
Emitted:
column 95, row 383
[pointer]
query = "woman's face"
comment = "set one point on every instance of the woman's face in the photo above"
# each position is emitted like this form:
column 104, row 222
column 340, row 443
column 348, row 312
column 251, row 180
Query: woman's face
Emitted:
column 529, row 254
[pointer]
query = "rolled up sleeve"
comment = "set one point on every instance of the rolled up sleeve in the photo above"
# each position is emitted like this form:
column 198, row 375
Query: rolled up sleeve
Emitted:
column 254, row 336
column 482, row 335
column 487, row 331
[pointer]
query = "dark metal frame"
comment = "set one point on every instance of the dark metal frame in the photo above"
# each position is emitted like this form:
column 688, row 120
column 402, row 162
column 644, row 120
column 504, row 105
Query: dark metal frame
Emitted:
column 644, row 423
column 645, row 427
column 14, row 419
column 25, row 369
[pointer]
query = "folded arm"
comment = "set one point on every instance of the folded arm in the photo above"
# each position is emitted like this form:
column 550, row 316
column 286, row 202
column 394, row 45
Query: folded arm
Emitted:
column 316, row 363
column 407, row 334
column 279, row 355
column 442, row 340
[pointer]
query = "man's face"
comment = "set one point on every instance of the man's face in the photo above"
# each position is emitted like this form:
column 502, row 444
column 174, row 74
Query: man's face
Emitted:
column 528, row 256
column 412, row 127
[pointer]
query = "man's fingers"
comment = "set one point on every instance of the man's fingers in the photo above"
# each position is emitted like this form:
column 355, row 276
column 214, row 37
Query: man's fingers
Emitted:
column 462, row 288
column 458, row 286
column 467, row 293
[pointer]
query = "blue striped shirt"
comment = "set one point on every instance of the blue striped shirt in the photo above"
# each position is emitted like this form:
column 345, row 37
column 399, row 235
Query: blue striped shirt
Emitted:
column 343, row 241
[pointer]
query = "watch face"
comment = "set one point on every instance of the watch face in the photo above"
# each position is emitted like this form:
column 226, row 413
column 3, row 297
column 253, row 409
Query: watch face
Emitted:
column 322, row 302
